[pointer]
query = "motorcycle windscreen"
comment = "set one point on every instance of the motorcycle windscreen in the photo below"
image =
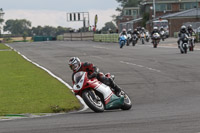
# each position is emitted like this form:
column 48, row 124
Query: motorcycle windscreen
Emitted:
column 78, row 76
column 78, row 80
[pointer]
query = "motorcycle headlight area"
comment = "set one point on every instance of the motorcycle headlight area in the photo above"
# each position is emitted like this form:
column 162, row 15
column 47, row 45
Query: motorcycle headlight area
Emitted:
column 79, row 79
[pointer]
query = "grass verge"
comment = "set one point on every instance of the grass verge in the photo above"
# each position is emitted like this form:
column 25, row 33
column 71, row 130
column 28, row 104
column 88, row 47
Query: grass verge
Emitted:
column 3, row 47
column 25, row 88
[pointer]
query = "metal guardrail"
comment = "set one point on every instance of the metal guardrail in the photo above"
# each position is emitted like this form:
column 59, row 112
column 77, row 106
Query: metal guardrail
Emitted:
column 78, row 36
column 88, row 36
column 106, row 37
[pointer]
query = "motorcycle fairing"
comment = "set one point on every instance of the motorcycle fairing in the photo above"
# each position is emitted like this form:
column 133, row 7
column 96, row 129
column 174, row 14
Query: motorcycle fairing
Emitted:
column 79, row 84
column 110, row 99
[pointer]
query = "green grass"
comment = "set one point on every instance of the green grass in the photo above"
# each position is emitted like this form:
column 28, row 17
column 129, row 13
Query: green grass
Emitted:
column 25, row 88
column 3, row 47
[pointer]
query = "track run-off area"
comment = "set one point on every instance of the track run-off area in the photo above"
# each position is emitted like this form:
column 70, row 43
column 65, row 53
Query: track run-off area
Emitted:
column 163, row 85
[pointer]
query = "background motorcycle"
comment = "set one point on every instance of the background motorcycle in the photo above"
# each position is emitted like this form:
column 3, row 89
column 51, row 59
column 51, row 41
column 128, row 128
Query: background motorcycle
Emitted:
column 98, row 96
column 162, row 35
column 147, row 36
column 191, row 42
column 183, row 43
column 155, row 39
column 122, row 40
column 142, row 37
column 129, row 39
column 134, row 39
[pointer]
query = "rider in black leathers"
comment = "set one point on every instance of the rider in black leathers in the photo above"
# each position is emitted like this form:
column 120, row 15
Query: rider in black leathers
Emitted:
column 135, row 32
column 155, row 30
column 190, row 30
column 183, row 30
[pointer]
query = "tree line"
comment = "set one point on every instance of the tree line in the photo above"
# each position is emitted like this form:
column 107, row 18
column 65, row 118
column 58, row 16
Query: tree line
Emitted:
column 22, row 27
column 19, row 27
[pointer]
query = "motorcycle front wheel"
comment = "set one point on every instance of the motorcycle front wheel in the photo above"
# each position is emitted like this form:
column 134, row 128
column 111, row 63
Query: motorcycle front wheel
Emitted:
column 185, row 49
column 93, row 103
column 127, row 101
column 122, row 44
column 133, row 43
column 155, row 45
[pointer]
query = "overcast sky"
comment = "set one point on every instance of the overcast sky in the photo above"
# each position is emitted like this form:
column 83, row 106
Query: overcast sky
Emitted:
column 53, row 12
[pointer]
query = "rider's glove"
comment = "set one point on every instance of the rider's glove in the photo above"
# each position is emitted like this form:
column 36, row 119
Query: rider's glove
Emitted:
column 93, row 75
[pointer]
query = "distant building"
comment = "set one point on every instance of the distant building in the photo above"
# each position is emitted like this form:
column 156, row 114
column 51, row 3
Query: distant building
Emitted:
column 168, row 6
column 177, row 12
column 128, row 14
column 176, row 20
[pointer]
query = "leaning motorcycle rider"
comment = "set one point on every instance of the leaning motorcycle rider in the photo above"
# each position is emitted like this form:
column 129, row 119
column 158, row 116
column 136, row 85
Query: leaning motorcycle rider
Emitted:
column 183, row 30
column 93, row 72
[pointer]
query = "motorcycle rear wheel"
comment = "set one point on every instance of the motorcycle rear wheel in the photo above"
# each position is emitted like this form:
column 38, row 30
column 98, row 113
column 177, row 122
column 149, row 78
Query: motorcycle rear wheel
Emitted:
column 94, row 104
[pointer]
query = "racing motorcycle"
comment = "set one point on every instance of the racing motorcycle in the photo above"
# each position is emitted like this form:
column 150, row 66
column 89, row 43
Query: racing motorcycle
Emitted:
column 162, row 35
column 155, row 39
column 142, row 37
column 98, row 96
column 129, row 39
column 122, row 40
column 147, row 36
column 134, row 39
column 183, row 43
column 191, row 42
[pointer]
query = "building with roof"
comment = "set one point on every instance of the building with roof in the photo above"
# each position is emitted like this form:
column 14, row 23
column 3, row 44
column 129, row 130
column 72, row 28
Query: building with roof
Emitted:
column 181, row 11
column 176, row 20
column 163, row 7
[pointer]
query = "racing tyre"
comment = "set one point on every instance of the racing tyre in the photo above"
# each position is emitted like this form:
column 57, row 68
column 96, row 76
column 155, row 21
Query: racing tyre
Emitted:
column 122, row 44
column 133, row 43
column 155, row 45
column 185, row 48
column 128, row 41
column 127, row 101
column 94, row 104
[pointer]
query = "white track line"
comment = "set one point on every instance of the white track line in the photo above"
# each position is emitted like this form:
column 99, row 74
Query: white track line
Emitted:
column 151, row 69
column 53, row 75
column 101, row 47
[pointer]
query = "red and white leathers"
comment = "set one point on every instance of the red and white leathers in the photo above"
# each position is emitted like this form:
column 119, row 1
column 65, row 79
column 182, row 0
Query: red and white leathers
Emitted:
column 93, row 71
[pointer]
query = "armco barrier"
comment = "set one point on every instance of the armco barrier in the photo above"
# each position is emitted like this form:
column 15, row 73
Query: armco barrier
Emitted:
column 79, row 36
column 106, row 37
column 88, row 36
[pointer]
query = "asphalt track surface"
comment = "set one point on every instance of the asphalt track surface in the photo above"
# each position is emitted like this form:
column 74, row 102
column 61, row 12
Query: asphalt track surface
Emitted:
column 163, row 84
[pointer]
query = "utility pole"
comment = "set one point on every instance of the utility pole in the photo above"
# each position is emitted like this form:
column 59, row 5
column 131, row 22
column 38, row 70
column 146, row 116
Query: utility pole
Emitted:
column 1, row 18
column 197, row 8
column 154, row 9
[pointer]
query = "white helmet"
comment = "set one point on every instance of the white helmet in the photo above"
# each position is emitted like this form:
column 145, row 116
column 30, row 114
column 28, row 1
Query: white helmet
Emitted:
column 155, row 28
column 75, row 63
column 183, row 27
column 124, row 30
